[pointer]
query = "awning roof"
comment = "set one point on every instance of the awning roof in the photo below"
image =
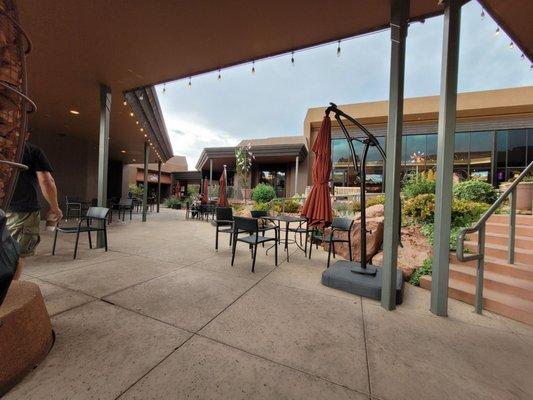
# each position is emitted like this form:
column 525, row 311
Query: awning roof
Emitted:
column 129, row 44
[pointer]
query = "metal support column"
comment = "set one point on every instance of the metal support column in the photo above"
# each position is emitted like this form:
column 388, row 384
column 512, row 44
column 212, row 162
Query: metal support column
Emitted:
column 399, row 17
column 210, row 177
column 445, row 154
column 296, row 175
column 158, row 184
column 145, row 182
column 103, row 154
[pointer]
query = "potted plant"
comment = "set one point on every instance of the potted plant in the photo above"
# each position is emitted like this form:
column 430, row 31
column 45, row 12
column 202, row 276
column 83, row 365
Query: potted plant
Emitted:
column 243, row 163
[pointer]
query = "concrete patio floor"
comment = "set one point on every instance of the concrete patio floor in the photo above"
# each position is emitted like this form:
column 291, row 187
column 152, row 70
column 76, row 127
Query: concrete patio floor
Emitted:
column 161, row 315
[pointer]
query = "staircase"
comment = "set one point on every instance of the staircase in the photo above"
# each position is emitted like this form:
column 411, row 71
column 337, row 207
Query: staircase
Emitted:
column 507, row 288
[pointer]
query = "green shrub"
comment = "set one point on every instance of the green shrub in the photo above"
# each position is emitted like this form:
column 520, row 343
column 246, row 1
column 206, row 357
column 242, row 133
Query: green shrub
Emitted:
column 261, row 207
column 356, row 206
column 263, row 193
column 375, row 200
column 465, row 212
column 172, row 202
column 428, row 230
column 425, row 269
column 136, row 191
column 420, row 209
column 418, row 183
column 341, row 209
column 292, row 206
column 475, row 190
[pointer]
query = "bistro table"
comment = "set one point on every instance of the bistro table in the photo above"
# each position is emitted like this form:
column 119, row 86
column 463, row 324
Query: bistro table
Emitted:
column 287, row 219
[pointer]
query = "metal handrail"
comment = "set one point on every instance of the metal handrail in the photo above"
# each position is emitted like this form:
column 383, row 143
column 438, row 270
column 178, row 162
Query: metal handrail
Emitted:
column 480, row 228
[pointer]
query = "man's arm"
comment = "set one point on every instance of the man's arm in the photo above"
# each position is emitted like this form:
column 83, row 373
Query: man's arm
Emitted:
column 49, row 190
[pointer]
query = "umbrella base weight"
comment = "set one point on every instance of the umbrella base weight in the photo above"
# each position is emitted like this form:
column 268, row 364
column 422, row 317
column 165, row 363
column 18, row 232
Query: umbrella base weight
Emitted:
column 340, row 276
column 369, row 270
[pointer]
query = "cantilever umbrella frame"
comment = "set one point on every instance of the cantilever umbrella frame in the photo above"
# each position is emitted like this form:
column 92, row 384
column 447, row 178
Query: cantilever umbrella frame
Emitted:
column 360, row 168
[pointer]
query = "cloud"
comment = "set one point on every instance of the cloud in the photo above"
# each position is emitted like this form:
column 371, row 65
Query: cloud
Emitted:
column 189, row 134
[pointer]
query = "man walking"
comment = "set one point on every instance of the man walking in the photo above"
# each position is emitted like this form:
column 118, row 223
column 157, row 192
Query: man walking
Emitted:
column 23, row 215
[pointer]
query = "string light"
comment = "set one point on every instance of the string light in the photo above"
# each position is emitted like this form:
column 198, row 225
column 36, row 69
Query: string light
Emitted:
column 136, row 122
column 497, row 31
column 142, row 129
column 164, row 88
column 339, row 48
column 141, row 97
column 253, row 67
column 190, row 81
column 219, row 76
column 511, row 45
column 523, row 56
column 482, row 14
column 131, row 114
column 292, row 58
column 125, row 102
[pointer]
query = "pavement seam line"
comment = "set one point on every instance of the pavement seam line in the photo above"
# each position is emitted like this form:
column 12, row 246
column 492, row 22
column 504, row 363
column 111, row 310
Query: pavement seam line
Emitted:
column 366, row 347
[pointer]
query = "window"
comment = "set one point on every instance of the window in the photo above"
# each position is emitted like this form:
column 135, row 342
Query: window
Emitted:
column 481, row 144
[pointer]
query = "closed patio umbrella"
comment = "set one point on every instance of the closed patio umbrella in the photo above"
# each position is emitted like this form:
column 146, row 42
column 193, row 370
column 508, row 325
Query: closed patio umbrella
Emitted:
column 317, row 207
column 222, row 201
column 205, row 192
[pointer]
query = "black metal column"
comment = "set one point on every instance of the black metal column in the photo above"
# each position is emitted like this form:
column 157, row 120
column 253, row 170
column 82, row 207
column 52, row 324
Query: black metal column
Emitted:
column 103, row 153
column 158, row 184
column 145, row 183
column 399, row 17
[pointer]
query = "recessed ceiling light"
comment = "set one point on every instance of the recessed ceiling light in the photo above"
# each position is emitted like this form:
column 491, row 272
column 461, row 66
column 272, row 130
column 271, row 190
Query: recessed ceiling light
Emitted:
column 123, row 151
column 74, row 112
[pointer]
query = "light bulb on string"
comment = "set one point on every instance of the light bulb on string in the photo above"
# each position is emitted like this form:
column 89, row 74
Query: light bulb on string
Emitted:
column 219, row 76
column 253, row 67
column 523, row 56
column 339, row 49
column 125, row 102
column 141, row 97
column 511, row 45
column 482, row 14
column 497, row 31
column 190, row 81
column 164, row 88
column 292, row 58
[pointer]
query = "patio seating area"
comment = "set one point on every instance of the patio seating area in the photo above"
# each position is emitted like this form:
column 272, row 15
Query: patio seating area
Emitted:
column 171, row 318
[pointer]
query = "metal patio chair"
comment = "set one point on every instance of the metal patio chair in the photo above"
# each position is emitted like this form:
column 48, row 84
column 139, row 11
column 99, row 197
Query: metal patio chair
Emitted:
column 337, row 225
column 250, row 226
column 72, row 204
column 94, row 214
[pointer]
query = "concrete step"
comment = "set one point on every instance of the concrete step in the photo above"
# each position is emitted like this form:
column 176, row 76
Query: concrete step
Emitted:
column 504, row 219
column 522, row 256
column 501, row 267
column 504, row 304
column 503, row 228
column 521, row 288
column 522, row 242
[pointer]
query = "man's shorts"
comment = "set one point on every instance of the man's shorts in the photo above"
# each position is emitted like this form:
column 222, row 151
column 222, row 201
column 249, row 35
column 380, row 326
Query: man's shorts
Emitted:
column 24, row 228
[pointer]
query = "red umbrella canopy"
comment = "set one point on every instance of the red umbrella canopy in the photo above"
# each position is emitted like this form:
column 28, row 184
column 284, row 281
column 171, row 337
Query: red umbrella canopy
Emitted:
column 222, row 202
column 317, row 207
column 178, row 190
column 205, row 192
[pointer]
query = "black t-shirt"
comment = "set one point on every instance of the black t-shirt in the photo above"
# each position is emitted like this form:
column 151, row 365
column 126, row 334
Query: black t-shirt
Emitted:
column 25, row 195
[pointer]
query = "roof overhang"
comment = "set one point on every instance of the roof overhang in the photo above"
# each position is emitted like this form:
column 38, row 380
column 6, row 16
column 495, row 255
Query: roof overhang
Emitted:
column 79, row 45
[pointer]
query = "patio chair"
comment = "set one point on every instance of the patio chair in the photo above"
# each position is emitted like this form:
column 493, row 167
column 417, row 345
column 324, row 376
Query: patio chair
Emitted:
column 337, row 225
column 302, row 229
column 94, row 214
column 73, row 205
column 263, row 222
column 223, row 223
column 250, row 226
column 122, row 206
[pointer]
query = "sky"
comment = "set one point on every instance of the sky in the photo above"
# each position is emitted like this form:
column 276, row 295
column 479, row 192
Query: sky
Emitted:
column 274, row 100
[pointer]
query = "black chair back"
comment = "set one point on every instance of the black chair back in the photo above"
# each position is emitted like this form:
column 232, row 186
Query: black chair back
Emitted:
column 72, row 199
column 259, row 214
column 249, row 225
column 126, row 202
column 342, row 224
column 99, row 213
column 224, row 214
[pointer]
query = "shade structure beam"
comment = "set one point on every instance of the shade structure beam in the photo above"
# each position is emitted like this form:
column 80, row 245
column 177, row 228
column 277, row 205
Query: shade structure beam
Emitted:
column 145, row 182
column 158, row 184
column 445, row 156
column 103, row 154
column 399, row 23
